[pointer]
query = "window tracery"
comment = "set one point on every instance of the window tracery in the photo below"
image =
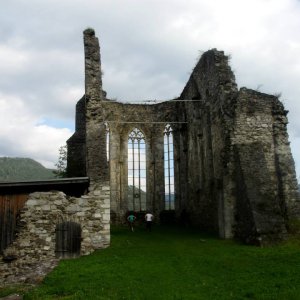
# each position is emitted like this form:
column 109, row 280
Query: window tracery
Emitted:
column 136, row 171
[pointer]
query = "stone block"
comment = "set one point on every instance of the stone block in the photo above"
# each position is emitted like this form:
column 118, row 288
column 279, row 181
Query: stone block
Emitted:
column 32, row 202
column 105, row 206
column 25, row 243
column 106, row 217
column 73, row 208
column 97, row 215
column 46, row 207
column 80, row 214
column 81, row 201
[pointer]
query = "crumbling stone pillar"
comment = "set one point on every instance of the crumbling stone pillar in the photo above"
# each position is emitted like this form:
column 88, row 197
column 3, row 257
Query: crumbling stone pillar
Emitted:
column 93, row 80
column 97, row 167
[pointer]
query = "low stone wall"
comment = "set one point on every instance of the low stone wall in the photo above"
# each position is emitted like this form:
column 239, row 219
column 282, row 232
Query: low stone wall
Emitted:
column 35, row 243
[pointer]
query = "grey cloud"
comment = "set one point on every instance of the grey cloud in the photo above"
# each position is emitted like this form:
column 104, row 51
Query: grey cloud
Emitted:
column 148, row 49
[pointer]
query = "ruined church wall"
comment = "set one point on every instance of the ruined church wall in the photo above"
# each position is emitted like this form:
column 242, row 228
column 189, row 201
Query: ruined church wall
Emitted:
column 265, row 163
column 219, row 134
column 151, row 120
column 220, row 121
column 209, row 125
column 180, row 165
column 256, row 174
column 35, row 244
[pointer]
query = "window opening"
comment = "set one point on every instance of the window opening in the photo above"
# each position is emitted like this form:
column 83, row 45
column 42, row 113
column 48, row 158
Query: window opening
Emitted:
column 169, row 168
column 136, row 171
column 107, row 140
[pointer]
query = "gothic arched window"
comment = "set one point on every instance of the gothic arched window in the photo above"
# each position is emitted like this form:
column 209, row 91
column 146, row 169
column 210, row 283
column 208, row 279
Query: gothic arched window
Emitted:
column 136, row 171
column 169, row 168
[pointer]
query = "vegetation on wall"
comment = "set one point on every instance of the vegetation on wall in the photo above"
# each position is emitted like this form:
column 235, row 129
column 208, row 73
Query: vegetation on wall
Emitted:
column 23, row 169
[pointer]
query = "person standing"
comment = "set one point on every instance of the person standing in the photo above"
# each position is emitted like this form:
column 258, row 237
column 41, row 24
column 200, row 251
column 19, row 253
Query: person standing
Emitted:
column 149, row 219
column 131, row 218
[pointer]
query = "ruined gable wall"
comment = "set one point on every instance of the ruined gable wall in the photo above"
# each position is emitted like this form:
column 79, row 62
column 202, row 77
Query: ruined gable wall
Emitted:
column 221, row 187
column 208, row 140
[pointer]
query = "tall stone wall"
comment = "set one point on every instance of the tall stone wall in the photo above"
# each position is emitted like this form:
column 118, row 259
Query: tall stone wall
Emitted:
column 35, row 246
column 264, row 162
column 210, row 116
column 220, row 121
column 97, row 167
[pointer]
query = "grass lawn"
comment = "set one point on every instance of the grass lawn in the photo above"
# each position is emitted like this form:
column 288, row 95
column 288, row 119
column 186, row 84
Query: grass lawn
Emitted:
column 172, row 263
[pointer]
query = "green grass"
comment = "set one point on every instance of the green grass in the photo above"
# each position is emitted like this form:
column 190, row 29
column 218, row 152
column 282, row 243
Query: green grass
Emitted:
column 176, row 264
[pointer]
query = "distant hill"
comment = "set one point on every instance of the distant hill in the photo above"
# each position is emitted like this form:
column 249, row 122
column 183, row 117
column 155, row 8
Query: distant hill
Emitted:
column 23, row 169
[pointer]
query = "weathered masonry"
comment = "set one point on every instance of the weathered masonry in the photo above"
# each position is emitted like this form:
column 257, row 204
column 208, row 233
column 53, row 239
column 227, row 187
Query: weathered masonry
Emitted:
column 217, row 156
column 43, row 221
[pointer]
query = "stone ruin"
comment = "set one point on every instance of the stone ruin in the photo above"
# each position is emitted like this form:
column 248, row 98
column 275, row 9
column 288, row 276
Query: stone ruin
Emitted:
column 232, row 167
column 52, row 226
column 234, row 173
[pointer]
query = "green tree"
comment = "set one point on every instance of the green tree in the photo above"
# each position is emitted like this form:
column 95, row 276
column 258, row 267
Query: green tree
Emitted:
column 61, row 165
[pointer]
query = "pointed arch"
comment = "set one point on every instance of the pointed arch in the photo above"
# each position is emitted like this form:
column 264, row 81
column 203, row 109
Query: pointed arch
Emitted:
column 136, row 170
column 169, row 168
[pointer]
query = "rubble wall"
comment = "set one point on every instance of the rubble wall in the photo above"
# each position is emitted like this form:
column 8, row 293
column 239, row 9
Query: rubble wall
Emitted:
column 35, row 243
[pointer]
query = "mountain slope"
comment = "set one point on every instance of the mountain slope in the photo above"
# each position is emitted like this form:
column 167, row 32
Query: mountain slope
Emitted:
column 22, row 169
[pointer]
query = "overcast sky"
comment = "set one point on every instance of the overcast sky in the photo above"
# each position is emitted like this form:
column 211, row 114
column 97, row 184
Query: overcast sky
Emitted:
column 148, row 50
